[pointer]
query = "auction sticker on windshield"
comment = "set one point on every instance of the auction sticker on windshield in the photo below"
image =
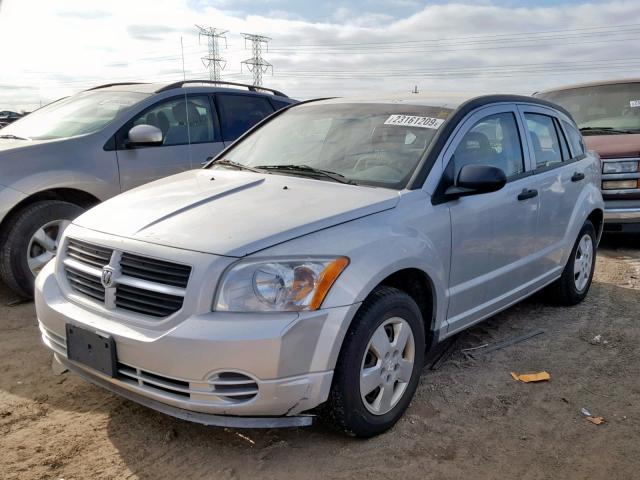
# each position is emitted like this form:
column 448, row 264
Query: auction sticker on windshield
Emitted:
column 634, row 103
column 413, row 121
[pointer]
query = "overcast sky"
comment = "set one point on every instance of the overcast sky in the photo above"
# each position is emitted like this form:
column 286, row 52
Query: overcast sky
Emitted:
column 50, row 49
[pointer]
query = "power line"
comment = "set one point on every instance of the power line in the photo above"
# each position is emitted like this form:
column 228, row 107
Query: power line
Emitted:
column 256, row 64
column 213, row 61
column 378, row 51
column 479, row 38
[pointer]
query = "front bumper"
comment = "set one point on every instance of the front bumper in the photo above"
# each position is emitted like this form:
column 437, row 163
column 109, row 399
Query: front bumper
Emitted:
column 189, row 415
column 289, row 357
column 622, row 218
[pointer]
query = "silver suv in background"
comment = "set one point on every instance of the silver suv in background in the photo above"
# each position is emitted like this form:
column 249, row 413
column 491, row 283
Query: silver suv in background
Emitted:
column 81, row 150
column 319, row 258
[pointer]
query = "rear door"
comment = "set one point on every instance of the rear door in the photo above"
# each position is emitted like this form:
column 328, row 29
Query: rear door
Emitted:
column 492, row 233
column 239, row 112
column 559, row 177
column 191, row 135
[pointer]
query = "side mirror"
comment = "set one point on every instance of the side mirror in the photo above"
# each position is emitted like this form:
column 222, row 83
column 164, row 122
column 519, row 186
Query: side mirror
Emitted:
column 144, row 136
column 475, row 179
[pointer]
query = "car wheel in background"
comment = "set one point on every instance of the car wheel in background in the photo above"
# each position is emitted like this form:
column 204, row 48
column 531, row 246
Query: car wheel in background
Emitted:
column 30, row 240
column 572, row 287
column 379, row 366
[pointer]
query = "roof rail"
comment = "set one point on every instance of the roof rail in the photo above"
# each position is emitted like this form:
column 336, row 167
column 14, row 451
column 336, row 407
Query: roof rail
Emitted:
column 113, row 85
column 252, row 88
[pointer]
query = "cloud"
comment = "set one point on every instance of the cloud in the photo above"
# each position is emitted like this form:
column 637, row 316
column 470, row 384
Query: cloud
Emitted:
column 480, row 46
column 150, row 32
column 84, row 15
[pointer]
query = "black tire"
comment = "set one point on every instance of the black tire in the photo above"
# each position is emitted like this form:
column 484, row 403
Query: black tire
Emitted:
column 15, row 238
column 345, row 409
column 564, row 290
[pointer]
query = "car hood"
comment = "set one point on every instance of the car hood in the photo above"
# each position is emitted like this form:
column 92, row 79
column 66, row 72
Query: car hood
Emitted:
column 233, row 213
column 614, row 146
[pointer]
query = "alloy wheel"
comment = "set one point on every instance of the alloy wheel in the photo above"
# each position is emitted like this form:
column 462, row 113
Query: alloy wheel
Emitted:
column 387, row 366
column 583, row 262
column 43, row 245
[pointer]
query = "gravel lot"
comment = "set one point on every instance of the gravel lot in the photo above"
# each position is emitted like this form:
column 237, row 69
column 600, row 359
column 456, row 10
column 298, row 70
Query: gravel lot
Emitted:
column 469, row 419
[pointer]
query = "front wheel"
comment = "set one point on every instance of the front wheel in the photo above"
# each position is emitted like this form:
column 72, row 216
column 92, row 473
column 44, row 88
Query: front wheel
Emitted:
column 379, row 366
column 572, row 287
column 31, row 240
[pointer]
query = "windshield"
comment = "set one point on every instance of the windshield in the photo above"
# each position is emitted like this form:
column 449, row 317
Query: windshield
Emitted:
column 79, row 114
column 370, row 144
column 613, row 107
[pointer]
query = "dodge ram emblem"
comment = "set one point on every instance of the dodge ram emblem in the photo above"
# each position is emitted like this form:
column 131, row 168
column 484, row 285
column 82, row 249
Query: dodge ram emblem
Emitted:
column 107, row 277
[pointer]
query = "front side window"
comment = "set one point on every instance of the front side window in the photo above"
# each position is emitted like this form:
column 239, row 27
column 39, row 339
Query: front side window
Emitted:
column 544, row 139
column 80, row 114
column 602, row 109
column 492, row 141
column 238, row 113
column 575, row 139
column 369, row 144
column 181, row 120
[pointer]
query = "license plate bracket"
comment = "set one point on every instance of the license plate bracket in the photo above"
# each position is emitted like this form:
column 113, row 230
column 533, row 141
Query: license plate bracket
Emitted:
column 91, row 349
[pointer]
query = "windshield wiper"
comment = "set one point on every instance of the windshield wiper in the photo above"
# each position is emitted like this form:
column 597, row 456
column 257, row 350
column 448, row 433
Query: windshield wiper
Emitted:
column 605, row 129
column 13, row 137
column 239, row 166
column 307, row 170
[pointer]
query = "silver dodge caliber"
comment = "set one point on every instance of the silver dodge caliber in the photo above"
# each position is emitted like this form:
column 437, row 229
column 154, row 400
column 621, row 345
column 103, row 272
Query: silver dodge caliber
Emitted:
column 319, row 258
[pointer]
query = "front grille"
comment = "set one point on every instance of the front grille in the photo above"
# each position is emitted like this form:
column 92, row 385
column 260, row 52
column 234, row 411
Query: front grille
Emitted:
column 154, row 270
column 147, row 302
column 229, row 387
column 88, row 254
column 143, row 285
column 85, row 283
column 169, row 385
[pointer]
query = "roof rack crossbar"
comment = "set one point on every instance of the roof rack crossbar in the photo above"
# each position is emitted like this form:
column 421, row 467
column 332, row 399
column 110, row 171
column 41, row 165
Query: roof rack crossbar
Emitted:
column 252, row 88
column 113, row 85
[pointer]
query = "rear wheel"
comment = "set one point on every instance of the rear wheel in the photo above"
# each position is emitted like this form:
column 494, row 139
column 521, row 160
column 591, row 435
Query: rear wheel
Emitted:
column 572, row 287
column 379, row 366
column 31, row 240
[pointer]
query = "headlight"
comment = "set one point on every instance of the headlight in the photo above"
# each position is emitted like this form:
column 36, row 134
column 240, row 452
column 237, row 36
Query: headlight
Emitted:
column 620, row 167
column 278, row 285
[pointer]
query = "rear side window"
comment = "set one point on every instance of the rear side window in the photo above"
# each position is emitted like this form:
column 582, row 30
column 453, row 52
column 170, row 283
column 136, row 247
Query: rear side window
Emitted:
column 238, row 113
column 493, row 141
column 563, row 141
column 278, row 104
column 544, row 139
column 575, row 139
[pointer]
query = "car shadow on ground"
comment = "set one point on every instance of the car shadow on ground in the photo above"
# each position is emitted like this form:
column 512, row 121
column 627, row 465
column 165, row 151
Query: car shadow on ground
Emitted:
column 620, row 241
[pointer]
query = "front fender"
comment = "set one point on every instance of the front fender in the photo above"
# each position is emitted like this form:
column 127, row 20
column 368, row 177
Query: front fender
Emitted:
column 413, row 235
column 9, row 198
column 49, row 180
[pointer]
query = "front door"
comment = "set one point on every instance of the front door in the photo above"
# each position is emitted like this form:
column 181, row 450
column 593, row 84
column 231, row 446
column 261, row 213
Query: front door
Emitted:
column 492, row 248
column 191, row 135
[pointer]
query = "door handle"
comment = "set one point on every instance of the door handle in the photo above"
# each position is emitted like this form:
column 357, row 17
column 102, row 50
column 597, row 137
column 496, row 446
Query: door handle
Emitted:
column 527, row 193
column 577, row 176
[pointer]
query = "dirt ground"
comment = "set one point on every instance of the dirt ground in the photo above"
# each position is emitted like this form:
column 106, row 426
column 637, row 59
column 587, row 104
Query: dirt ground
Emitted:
column 469, row 419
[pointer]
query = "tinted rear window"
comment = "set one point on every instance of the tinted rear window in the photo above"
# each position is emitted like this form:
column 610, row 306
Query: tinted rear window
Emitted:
column 238, row 113
column 278, row 104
